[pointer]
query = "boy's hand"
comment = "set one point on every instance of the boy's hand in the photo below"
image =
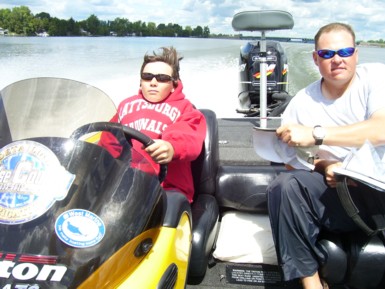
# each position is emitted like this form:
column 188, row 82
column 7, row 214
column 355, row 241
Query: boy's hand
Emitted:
column 161, row 151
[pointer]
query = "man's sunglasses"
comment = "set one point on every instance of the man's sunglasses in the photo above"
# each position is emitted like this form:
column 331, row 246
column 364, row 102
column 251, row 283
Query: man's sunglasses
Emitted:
column 343, row 52
column 159, row 77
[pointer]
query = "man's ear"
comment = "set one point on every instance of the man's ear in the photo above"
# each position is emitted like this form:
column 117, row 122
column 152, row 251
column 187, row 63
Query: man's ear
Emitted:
column 315, row 58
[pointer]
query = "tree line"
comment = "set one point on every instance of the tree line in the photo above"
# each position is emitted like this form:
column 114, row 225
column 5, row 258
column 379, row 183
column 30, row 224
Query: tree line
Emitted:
column 20, row 21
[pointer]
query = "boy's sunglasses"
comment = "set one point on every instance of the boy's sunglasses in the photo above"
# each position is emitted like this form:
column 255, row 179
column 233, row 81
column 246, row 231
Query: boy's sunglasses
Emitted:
column 159, row 77
column 343, row 52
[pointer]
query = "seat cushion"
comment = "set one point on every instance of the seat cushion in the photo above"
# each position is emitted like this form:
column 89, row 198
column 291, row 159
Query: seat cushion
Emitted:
column 245, row 238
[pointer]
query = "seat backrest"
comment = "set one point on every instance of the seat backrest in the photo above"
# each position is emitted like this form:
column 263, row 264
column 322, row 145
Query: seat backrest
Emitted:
column 204, row 168
column 243, row 187
column 262, row 20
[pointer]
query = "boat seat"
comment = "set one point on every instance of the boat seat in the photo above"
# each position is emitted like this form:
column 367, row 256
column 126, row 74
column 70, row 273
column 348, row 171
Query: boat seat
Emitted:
column 352, row 259
column 264, row 20
column 243, row 187
column 205, row 212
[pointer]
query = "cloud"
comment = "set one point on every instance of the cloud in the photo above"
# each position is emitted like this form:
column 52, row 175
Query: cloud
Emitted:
column 366, row 16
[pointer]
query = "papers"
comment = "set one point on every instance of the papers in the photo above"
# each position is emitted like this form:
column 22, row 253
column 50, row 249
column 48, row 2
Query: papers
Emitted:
column 366, row 164
column 269, row 147
column 266, row 144
column 378, row 185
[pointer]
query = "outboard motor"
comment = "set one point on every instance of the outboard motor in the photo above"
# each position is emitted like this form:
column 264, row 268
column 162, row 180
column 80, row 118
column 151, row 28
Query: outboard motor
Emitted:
column 277, row 73
column 263, row 65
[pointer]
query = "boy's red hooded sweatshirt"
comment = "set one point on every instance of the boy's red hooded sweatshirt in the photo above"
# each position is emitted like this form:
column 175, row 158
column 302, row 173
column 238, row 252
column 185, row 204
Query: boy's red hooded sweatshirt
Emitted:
column 175, row 120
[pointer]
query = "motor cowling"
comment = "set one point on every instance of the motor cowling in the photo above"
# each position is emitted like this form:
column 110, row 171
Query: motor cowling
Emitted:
column 277, row 70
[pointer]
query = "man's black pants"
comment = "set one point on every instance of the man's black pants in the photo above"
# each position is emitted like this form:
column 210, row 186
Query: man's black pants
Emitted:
column 300, row 205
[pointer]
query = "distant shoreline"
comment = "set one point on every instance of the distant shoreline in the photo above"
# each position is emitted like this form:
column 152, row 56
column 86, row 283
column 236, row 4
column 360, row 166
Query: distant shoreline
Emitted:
column 228, row 37
column 370, row 44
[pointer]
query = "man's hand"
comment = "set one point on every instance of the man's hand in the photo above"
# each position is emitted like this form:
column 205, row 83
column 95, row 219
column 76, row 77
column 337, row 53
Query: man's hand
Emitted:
column 161, row 151
column 296, row 135
column 329, row 174
column 326, row 167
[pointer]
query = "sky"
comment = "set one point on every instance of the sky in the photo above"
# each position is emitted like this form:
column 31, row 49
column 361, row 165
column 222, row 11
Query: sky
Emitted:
column 366, row 16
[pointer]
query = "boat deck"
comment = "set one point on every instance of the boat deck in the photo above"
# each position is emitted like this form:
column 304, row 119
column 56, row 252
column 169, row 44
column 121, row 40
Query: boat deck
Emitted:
column 224, row 275
column 236, row 142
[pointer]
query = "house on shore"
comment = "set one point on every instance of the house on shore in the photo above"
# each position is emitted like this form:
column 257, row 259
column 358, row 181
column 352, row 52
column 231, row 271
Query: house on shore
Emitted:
column 3, row 32
column 42, row 34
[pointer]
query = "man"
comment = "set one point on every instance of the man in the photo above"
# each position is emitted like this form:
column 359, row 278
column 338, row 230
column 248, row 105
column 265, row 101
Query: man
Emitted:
column 338, row 112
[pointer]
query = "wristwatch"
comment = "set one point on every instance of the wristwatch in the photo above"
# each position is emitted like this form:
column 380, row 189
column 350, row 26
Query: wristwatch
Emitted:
column 319, row 134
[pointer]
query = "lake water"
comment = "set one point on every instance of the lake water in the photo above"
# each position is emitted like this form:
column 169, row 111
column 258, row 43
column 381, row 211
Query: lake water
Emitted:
column 209, row 70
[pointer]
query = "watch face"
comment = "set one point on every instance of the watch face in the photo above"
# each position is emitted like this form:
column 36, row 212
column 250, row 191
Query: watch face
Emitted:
column 319, row 132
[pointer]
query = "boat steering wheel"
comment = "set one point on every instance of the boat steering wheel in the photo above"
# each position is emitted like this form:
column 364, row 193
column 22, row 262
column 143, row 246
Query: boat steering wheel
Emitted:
column 114, row 128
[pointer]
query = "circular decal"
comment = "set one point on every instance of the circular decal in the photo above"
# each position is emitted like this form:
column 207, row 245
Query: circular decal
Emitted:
column 31, row 180
column 80, row 228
